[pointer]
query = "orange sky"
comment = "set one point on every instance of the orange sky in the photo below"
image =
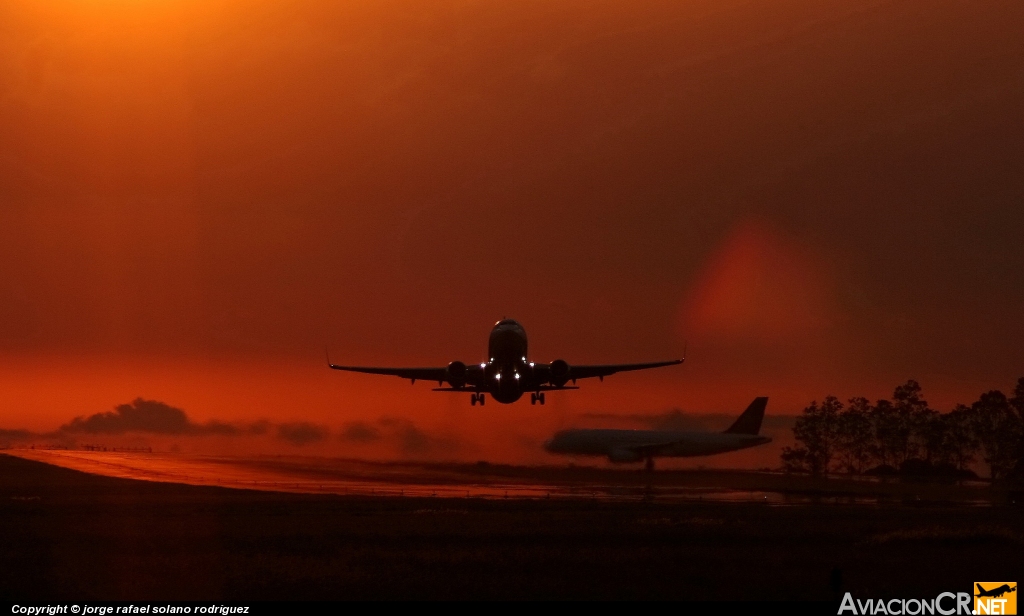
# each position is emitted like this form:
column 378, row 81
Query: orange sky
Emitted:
column 814, row 197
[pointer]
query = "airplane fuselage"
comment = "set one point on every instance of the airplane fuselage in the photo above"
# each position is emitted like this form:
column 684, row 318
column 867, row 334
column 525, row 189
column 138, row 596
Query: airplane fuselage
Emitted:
column 637, row 445
column 507, row 372
column 621, row 445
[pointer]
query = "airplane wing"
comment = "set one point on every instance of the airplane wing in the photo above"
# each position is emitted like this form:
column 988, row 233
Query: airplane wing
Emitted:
column 413, row 374
column 601, row 371
column 540, row 388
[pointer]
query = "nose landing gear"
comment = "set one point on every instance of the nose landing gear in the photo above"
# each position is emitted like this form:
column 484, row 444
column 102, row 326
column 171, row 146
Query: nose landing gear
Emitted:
column 476, row 398
column 537, row 397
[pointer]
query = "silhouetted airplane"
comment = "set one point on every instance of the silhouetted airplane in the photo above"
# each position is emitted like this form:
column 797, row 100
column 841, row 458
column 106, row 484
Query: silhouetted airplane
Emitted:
column 506, row 374
column 637, row 445
column 998, row 591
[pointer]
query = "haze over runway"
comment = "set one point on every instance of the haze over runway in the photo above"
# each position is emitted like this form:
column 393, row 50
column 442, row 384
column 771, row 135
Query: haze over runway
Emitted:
column 196, row 197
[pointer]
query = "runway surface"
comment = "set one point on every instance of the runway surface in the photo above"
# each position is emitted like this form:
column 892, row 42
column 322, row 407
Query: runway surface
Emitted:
column 68, row 536
column 320, row 475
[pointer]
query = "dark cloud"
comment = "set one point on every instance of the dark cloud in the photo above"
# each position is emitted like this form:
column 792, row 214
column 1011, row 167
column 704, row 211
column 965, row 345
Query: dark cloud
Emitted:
column 401, row 433
column 415, row 441
column 8, row 437
column 149, row 416
column 218, row 427
column 143, row 416
column 258, row 428
column 302, row 433
column 360, row 432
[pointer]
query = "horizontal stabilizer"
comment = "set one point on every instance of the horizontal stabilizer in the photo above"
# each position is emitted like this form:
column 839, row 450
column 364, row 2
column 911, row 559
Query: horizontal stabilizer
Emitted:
column 750, row 421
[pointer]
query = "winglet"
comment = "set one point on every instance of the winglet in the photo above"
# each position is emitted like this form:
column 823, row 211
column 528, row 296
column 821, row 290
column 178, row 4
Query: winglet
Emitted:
column 750, row 421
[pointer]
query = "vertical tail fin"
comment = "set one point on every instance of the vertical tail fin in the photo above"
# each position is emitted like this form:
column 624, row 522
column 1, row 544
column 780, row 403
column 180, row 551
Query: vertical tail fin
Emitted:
column 750, row 421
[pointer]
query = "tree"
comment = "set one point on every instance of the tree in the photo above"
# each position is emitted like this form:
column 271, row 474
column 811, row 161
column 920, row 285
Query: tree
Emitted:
column 891, row 433
column 1017, row 402
column 817, row 432
column 911, row 414
column 794, row 459
column 997, row 425
column 959, row 443
column 929, row 434
column 855, row 436
column 885, row 424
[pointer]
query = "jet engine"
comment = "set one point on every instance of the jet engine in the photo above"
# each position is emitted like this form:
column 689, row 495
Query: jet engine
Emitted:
column 558, row 373
column 457, row 372
column 624, row 455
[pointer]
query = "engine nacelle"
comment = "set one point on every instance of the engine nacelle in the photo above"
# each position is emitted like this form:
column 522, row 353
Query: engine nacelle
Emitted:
column 624, row 455
column 457, row 372
column 558, row 373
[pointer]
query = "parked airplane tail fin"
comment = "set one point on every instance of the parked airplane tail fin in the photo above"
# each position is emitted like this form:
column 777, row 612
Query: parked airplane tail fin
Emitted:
column 750, row 421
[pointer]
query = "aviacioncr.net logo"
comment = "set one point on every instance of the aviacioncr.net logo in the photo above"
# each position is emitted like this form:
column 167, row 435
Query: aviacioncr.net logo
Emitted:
column 945, row 604
column 990, row 599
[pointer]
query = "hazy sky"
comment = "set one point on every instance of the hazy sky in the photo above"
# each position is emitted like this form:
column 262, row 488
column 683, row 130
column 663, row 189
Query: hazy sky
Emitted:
column 814, row 197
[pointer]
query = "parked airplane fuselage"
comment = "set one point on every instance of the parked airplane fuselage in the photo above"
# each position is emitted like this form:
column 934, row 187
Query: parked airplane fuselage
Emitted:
column 612, row 443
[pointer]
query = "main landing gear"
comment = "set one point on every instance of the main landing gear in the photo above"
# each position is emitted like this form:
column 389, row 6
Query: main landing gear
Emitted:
column 537, row 397
column 476, row 398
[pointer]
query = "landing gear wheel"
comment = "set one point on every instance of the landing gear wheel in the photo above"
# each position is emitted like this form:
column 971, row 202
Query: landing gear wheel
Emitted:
column 540, row 398
column 472, row 400
column 533, row 398
column 481, row 399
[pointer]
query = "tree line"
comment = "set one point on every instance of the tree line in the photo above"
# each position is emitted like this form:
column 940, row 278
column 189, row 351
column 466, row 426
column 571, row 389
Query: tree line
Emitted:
column 905, row 435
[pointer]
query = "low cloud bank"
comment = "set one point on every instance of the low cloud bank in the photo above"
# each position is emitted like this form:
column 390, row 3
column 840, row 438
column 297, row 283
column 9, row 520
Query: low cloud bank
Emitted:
column 413, row 440
column 141, row 418
column 360, row 432
column 146, row 416
column 302, row 433
column 409, row 438
column 405, row 435
column 11, row 437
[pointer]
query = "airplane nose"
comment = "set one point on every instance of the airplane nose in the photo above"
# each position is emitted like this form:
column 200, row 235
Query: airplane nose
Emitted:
column 549, row 444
